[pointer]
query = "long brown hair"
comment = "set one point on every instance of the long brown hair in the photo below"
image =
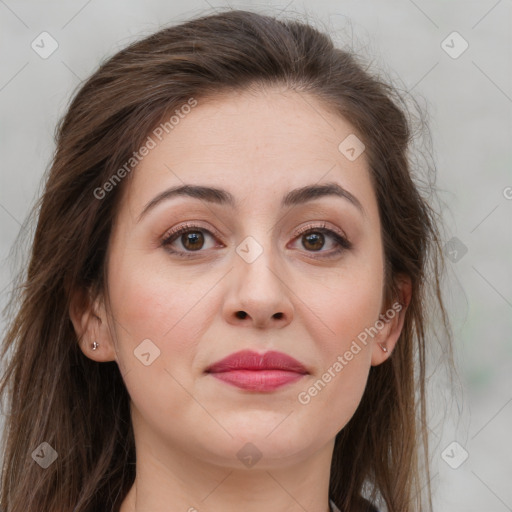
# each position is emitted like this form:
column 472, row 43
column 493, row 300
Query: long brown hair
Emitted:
column 81, row 408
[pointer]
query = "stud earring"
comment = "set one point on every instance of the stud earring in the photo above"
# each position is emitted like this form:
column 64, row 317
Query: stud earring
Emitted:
column 94, row 345
column 384, row 349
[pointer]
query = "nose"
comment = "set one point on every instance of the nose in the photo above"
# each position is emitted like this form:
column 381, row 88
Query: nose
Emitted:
column 258, row 295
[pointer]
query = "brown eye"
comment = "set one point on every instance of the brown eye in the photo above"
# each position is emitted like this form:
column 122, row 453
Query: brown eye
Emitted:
column 192, row 240
column 325, row 241
column 185, row 240
column 313, row 241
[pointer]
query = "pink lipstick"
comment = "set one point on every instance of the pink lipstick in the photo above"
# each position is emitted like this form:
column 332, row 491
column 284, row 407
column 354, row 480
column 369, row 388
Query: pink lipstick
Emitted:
column 257, row 372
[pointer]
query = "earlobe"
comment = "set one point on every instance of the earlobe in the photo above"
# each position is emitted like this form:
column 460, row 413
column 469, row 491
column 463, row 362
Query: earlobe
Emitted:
column 384, row 348
column 89, row 321
column 393, row 318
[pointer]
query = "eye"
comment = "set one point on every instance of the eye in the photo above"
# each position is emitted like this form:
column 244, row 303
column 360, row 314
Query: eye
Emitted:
column 314, row 239
column 190, row 238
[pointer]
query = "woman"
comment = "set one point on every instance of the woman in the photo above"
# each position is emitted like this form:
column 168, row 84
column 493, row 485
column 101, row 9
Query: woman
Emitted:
column 228, row 286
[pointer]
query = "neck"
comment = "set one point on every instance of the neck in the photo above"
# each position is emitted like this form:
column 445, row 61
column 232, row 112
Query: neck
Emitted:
column 171, row 478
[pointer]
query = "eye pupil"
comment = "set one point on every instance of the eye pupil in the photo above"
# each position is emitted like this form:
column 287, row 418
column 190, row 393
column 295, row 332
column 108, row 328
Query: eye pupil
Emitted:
column 192, row 237
column 316, row 239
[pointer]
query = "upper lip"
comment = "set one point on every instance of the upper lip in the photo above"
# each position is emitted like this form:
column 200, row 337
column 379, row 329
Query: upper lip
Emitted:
column 250, row 360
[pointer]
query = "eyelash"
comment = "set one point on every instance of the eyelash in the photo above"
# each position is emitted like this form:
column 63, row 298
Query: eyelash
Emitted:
column 343, row 243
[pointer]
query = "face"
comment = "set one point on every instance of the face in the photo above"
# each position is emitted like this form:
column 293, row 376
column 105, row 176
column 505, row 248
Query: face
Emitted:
column 193, row 279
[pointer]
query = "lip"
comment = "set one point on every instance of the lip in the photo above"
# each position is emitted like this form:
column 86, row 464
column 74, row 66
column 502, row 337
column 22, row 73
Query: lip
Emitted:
column 257, row 372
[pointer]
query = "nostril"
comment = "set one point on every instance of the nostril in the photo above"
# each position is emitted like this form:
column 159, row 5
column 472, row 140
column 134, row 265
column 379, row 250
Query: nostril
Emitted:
column 278, row 315
column 241, row 314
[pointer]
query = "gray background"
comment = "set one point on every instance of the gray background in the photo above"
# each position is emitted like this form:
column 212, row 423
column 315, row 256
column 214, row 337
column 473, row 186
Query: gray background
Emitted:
column 469, row 100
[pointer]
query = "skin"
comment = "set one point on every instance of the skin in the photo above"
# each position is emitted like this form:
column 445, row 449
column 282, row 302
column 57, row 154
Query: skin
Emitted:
column 189, row 426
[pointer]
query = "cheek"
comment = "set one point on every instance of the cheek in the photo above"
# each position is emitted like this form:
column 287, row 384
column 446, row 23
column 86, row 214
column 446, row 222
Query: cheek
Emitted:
column 150, row 303
column 350, row 310
column 347, row 350
column 350, row 301
column 345, row 311
column 340, row 380
column 155, row 314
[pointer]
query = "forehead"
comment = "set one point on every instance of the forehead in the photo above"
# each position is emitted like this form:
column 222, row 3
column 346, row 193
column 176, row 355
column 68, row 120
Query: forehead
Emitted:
column 263, row 123
column 262, row 142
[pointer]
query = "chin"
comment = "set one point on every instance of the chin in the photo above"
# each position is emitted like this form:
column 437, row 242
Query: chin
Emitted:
column 260, row 455
column 262, row 445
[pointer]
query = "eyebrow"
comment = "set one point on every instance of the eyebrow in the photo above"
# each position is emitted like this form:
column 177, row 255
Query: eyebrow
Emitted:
column 223, row 197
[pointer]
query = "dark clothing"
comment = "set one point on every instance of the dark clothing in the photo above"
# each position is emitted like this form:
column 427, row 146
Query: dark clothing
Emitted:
column 370, row 507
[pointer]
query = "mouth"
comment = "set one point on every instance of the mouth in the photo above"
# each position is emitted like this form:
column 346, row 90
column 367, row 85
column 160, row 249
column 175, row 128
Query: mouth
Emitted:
column 258, row 372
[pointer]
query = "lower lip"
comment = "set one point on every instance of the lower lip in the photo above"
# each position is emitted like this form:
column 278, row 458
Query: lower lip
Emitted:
column 258, row 380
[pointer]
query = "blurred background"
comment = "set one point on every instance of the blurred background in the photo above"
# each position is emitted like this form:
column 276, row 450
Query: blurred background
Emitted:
column 454, row 58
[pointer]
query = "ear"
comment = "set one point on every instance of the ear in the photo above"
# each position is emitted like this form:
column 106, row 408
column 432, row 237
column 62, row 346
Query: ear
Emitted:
column 89, row 319
column 393, row 320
